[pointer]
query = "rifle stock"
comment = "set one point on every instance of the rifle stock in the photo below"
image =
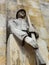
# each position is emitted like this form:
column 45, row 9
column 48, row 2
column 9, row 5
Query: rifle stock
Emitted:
column 39, row 57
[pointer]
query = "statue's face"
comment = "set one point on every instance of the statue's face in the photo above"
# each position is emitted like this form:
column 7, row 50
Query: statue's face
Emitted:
column 21, row 14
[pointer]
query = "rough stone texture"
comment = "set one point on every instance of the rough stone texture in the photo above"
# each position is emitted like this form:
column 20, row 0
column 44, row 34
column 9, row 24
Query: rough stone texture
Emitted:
column 38, row 11
column 2, row 33
column 44, row 5
column 18, row 55
column 2, row 40
column 43, row 50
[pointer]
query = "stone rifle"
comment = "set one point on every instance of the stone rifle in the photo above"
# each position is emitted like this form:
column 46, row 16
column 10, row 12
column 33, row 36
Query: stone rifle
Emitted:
column 40, row 60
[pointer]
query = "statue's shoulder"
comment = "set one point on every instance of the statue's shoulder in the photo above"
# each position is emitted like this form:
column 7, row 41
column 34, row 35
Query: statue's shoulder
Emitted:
column 16, row 21
column 12, row 21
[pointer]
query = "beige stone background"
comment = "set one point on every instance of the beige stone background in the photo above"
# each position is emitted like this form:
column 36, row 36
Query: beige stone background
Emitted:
column 38, row 10
column 2, row 32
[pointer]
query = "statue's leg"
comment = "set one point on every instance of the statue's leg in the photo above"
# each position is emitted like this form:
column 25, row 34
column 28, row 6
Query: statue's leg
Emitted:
column 18, row 55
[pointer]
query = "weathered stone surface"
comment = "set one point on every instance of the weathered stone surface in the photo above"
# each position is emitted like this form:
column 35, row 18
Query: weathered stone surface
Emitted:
column 43, row 33
column 2, row 1
column 2, row 39
column 38, row 11
column 18, row 55
column 43, row 49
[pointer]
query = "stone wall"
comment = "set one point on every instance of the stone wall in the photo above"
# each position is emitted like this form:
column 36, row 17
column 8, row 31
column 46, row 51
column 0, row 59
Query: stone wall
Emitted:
column 2, row 32
column 39, row 16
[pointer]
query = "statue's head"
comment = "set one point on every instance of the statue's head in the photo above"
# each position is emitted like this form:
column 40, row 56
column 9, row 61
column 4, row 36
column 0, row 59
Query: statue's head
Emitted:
column 21, row 14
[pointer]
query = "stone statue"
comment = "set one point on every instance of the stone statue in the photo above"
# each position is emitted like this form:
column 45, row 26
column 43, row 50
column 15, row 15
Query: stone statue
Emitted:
column 22, row 28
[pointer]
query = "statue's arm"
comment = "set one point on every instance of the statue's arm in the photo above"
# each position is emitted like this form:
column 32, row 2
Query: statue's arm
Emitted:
column 17, row 32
